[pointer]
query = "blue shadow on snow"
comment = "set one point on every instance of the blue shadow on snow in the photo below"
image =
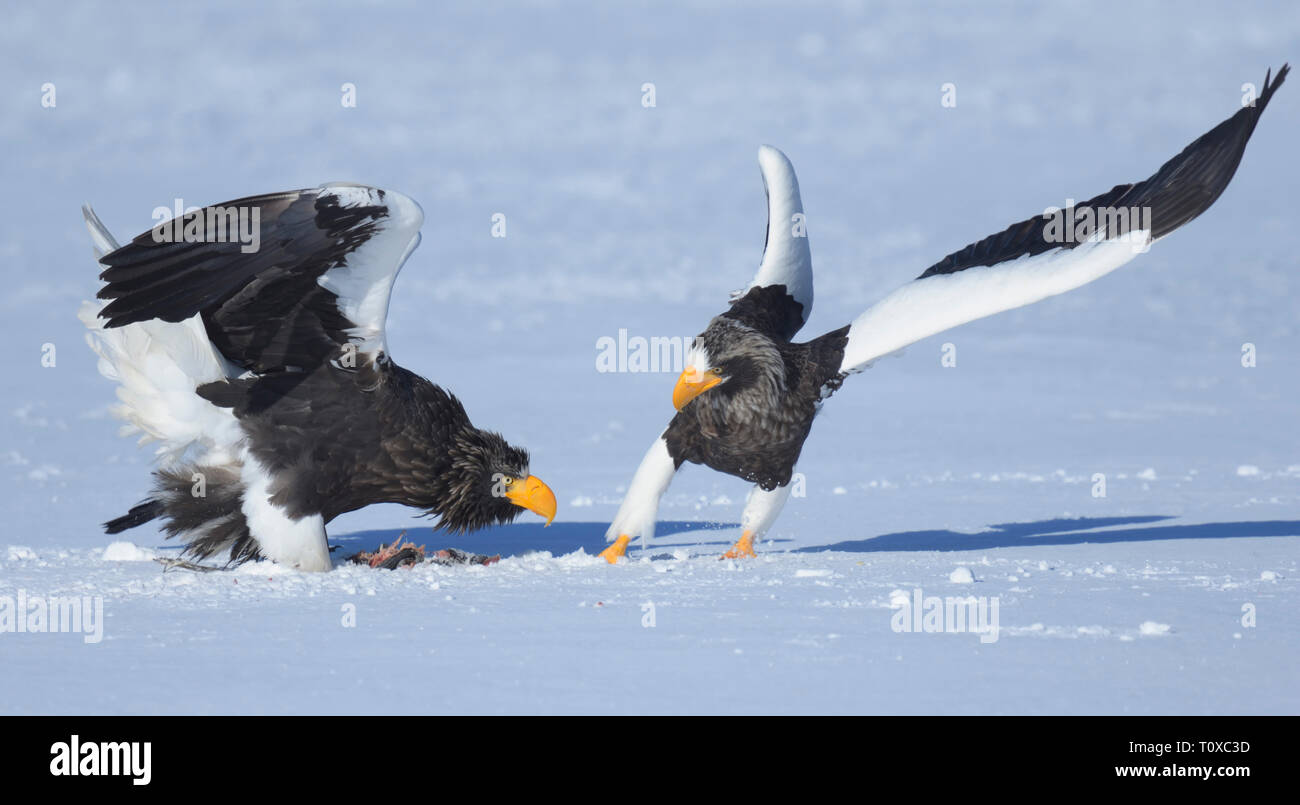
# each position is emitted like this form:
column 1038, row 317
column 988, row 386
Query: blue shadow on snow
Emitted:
column 514, row 539
column 1061, row 532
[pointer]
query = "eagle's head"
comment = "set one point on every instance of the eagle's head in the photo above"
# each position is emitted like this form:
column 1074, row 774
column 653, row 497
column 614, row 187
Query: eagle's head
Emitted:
column 732, row 358
column 488, row 483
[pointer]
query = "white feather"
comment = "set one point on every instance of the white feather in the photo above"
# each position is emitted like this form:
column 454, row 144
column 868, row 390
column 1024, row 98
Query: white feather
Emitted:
column 787, row 259
column 158, row 365
column 296, row 543
column 636, row 515
column 99, row 235
column 762, row 507
column 364, row 284
column 940, row 302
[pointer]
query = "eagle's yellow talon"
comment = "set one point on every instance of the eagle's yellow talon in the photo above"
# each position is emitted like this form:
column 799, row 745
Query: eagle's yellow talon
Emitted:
column 616, row 551
column 743, row 547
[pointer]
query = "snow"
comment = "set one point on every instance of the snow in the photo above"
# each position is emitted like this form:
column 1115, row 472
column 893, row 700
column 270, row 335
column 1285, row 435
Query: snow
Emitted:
column 623, row 216
column 20, row 553
column 123, row 551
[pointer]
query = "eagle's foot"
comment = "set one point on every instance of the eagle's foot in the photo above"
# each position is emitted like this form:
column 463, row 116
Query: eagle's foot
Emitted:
column 169, row 563
column 743, row 547
column 616, row 551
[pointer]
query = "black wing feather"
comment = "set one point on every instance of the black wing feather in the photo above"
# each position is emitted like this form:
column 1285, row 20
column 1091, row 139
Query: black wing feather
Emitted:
column 264, row 311
column 1182, row 189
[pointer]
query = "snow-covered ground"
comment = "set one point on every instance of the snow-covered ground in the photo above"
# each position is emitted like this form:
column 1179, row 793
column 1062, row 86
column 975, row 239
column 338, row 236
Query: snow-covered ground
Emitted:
column 1176, row 592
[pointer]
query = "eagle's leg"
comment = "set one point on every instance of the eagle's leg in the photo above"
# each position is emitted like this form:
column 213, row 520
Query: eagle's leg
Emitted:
column 636, row 515
column 616, row 549
column 761, row 510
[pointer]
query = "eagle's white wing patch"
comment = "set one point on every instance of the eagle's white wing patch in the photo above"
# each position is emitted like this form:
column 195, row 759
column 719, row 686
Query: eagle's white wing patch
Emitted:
column 940, row 302
column 364, row 283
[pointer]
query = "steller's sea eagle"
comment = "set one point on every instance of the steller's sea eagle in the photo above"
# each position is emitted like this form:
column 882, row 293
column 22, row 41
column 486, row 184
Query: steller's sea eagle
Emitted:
column 748, row 395
column 264, row 375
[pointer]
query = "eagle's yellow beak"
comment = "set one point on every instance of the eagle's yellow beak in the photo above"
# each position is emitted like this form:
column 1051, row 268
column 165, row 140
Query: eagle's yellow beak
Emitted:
column 692, row 383
column 530, row 493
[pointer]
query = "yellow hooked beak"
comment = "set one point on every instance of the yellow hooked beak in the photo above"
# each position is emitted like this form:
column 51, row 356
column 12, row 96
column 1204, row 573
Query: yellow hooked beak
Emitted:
column 692, row 383
column 530, row 493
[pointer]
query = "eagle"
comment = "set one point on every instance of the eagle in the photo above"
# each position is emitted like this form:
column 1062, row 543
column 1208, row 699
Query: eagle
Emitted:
column 260, row 367
column 748, row 394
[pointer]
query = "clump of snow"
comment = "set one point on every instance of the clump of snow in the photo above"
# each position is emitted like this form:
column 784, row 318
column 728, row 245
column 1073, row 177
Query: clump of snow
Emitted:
column 811, row 574
column 21, row 553
column 1151, row 628
column 1268, row 575
column 123, row 551
column 1247, row 470
column 1149, row 474
column 839, row 490
column 961, row 575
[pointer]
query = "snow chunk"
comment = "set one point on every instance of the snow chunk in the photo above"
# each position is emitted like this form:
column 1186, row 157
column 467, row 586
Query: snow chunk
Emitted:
column 123, row 551
column 1149, row 474
column 1151, row 628
column 811, row 574
column 839, row 490
column 21, row 553
column 962, row 575
column 1247, row 470
column 1268, row 575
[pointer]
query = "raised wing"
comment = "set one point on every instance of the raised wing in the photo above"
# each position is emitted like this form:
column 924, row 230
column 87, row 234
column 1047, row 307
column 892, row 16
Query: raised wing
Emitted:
column 780, row 297
column 1038, row 258
column 282, row 281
